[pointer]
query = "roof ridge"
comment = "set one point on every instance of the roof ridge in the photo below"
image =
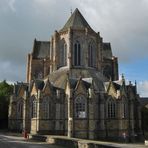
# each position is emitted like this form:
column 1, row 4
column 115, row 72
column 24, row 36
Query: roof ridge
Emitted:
column 76, row 20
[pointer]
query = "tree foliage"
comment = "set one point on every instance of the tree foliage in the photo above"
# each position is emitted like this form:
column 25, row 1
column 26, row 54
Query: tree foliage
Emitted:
column 5, row 92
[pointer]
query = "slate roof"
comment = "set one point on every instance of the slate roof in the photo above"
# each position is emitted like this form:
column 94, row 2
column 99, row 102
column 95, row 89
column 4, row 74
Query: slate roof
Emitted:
column 59, row 78
column 76, row 21
column 117, row 84
column 41, row 49
column 18, row 86
column 107, row 51
column 39, row 84
column 73, row 83
column 144, row 101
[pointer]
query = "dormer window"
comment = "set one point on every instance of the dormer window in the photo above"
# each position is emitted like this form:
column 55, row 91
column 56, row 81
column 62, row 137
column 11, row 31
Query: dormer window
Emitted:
column 77, row 54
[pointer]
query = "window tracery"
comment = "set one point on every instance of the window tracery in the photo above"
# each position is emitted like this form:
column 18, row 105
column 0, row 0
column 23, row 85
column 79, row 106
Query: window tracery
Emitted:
column 77, row 54
column 80, row 107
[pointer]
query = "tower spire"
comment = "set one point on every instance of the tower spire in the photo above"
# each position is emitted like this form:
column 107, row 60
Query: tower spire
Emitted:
column 76, row 21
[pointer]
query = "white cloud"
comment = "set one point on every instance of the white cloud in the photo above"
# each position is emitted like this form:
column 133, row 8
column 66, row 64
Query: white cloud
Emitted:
column 143, row 88
column 11, row 4
column 121, row 22
column 7, row 5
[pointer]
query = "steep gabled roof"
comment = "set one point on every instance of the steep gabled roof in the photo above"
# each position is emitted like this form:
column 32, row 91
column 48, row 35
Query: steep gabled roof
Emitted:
column 39, row 84
column 41, row 49
column 111, row 90
column 18, row 86
column 76, row 21
column 72, row 82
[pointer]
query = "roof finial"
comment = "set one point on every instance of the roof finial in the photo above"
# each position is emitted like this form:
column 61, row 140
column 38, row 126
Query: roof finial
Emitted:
column 71, row 11
column 122, row 76
column 123, row 79
column 136, row 86
column 135, row 83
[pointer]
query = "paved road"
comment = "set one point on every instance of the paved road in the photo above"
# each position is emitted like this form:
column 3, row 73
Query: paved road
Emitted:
column 19, row 142
column 7, row 141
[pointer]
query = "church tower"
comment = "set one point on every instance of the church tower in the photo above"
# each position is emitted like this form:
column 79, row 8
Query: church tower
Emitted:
column 76, row 46
column 73, row 88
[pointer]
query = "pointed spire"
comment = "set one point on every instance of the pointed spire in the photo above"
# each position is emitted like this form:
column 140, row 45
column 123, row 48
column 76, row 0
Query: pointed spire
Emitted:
column 76, row 21
column 123, row 79
column 122, row 76
column 135, row 83
column 123, row 86
column 71, row 11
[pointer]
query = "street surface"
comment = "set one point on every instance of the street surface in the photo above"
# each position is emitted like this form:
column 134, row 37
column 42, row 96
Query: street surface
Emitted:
column 17, row 141
column 7, row 141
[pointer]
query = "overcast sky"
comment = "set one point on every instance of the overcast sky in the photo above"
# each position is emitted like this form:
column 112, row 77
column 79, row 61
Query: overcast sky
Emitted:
column 124, row 23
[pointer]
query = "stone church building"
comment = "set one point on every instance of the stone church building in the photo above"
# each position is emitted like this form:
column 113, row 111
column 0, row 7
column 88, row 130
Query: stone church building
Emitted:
column 72, row 88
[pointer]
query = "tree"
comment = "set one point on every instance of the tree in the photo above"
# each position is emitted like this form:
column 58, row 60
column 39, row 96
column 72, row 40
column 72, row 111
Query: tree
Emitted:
column 5, row 92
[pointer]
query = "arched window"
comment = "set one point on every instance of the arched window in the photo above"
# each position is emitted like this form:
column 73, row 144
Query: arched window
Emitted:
column 46, row 108
column 91, row 55
column 124, row 108
column 20, row 105
column 80, row 107
column 33, row 107
column 77, row 54
column 111, row 109
column 63, row 53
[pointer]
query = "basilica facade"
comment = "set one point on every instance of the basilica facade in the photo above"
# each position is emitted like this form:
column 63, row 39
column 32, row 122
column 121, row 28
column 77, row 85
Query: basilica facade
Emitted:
column 72, row 88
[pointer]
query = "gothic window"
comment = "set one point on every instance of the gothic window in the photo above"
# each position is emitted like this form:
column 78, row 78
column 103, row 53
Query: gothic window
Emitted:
column 124, row 110
column 111, row 109
column 34, row 108
column 46, row 108
column 77, row 54
column 91, row 55
column 20, row 109
column 124, row 107
column 63, row 53
column 80, row 107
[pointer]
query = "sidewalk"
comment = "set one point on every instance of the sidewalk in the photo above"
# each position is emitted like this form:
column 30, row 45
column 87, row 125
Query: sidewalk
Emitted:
column 81, row 143
column 73, row 142
column 6, row 132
